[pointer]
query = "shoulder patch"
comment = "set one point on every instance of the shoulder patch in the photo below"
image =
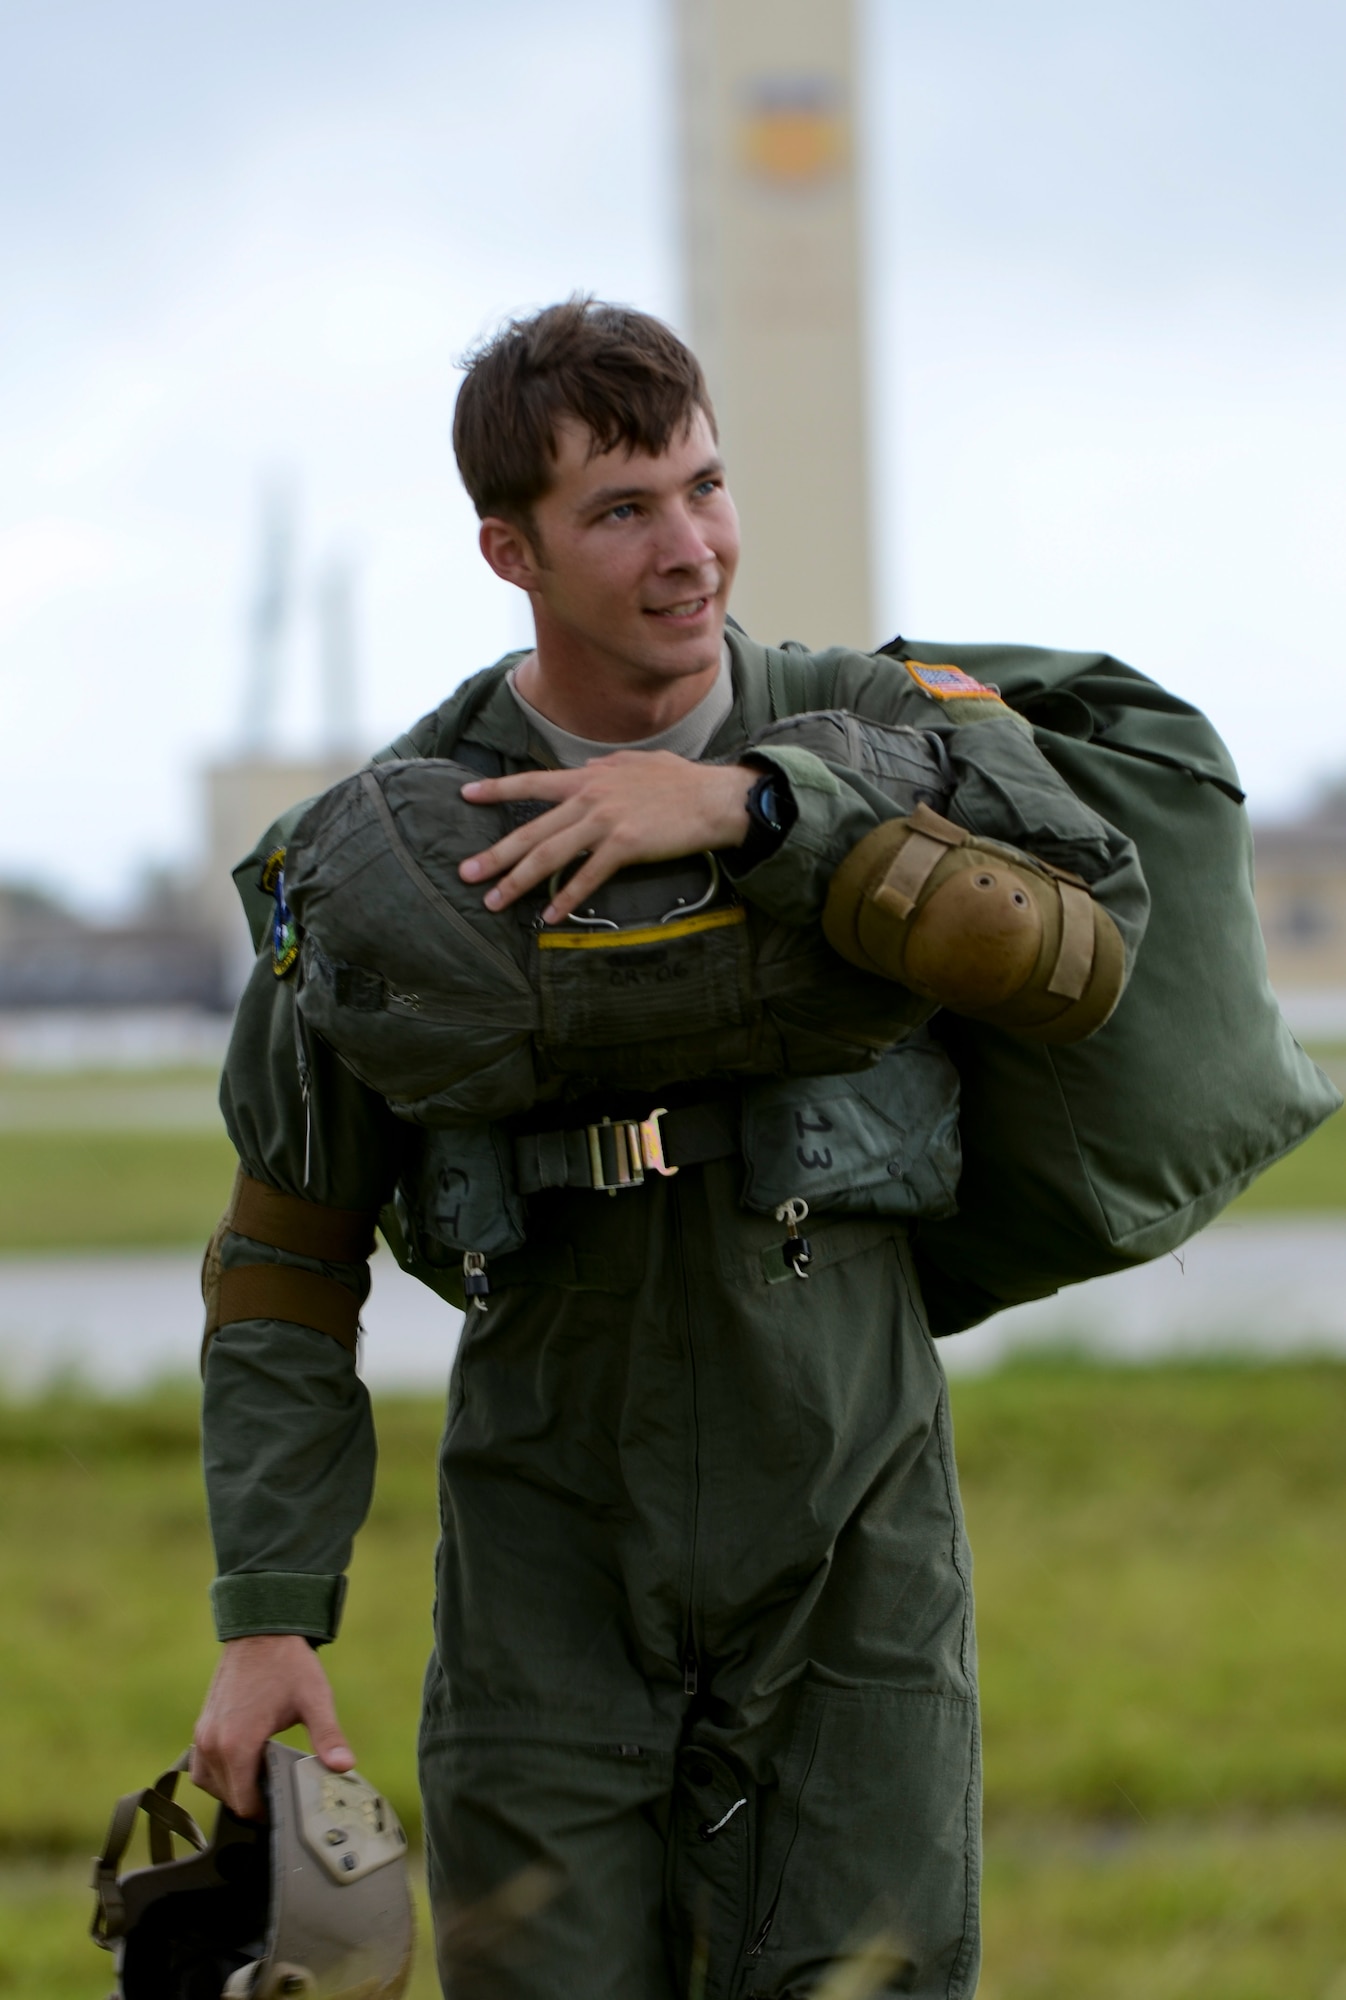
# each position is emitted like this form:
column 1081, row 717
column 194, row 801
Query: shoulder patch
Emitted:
column 949, row 683
column 284, row 930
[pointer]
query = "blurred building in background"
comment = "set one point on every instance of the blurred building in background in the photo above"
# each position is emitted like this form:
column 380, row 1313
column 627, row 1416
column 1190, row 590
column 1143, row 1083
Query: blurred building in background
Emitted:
column 49, row 957
column 772, row 253
column 77, row 995
column 1301, row 900
column 159, row 986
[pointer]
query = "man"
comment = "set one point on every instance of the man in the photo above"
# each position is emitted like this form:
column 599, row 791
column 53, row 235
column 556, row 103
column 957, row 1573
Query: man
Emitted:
column 704, row 1641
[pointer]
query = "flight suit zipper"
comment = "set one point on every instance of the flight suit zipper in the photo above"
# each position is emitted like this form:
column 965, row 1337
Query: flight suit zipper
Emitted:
column 756, row 1947
column 691, row 1676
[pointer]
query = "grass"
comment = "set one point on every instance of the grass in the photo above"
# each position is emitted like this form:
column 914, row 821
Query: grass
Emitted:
column 111, row 1190
column 1236, row 1911
column 1159, row 1572
column 1162, row 1636
column 111, row 1160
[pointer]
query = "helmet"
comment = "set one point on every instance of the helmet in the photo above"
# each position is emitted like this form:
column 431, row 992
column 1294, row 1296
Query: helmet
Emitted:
column 314, row 1902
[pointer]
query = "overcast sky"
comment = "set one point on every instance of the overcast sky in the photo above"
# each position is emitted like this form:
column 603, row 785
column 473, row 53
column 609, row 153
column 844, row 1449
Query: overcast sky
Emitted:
column 241, row 242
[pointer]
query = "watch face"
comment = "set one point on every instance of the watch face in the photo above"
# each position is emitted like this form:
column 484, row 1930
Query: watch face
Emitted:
column 763, row 801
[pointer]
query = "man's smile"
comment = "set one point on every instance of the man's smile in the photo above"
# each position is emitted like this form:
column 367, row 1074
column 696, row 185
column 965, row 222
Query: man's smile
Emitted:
column 690, row 607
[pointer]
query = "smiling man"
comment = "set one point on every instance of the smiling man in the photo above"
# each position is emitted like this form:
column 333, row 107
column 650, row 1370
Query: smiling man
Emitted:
column 701, row 1712
column 627, row 561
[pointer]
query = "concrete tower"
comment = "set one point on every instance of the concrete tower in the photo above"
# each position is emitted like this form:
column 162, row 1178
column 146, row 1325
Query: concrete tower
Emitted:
column 772, row 256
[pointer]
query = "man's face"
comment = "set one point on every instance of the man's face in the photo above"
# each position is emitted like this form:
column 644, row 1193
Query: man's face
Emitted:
column 636, row 554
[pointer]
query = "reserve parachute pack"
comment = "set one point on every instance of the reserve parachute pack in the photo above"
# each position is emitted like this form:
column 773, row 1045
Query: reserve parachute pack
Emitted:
column 456, row 1013
column 463, row 1018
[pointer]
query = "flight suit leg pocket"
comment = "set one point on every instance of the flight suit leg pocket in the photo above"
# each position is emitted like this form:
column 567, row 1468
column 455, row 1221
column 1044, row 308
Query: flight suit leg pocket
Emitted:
column 545, row 1864
column 711, row 1870
column 872, row 1848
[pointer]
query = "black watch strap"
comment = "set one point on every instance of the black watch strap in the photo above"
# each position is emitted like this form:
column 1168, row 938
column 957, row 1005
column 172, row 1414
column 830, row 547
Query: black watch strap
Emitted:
column 771, row 813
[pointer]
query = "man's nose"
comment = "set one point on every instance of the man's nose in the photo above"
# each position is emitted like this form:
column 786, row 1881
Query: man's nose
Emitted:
column 682, row 542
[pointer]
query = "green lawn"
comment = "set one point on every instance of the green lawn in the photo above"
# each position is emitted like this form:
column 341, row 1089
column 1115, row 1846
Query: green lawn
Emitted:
column 103, row 1161
column 1184, row 1912
column 1162, row 1627
column 1239, row 1910
column 109, row 1190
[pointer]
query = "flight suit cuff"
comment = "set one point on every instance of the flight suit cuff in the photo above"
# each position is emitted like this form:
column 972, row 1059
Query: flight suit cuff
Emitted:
column 252, row 1602
column 831, row 819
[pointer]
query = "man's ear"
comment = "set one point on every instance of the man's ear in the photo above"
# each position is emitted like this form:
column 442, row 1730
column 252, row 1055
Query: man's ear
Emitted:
column 509, row 552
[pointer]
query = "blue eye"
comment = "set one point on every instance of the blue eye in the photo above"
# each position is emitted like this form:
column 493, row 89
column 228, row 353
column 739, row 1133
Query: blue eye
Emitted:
column 622, row 512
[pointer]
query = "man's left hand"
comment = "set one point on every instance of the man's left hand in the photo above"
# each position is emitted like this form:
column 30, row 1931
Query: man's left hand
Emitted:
column 636, row 805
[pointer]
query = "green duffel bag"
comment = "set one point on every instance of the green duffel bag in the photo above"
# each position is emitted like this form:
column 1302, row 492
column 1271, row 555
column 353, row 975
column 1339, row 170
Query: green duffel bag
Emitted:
column 1088, row 1159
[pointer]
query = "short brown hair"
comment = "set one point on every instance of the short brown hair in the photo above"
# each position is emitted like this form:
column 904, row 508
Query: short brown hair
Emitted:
column 622, row 373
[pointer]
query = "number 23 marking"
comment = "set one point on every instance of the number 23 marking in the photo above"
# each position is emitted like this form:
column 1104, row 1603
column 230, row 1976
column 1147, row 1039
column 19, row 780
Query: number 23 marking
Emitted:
column 820, row 1122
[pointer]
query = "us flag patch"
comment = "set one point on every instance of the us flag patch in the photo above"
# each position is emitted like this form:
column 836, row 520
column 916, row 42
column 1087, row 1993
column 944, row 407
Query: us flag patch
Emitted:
column 949, row 683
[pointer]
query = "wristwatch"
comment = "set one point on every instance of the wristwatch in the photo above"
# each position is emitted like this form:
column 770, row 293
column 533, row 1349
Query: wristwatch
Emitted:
column 771, row 813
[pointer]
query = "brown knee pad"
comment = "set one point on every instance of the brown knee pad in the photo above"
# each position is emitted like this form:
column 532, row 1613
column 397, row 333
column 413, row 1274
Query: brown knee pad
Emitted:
column 977, row 927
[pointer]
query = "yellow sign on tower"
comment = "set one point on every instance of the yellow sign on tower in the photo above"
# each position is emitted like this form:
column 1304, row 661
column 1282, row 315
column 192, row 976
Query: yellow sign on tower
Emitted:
column 773, row 301
column 793, row 130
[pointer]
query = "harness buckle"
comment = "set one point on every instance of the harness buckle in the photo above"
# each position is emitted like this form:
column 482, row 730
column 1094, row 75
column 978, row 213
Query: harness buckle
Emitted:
column 622, row 1150
column 652, row 1143
column 614, row 1155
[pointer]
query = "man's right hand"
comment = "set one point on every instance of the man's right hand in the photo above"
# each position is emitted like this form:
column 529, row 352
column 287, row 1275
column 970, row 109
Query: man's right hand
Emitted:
column 261, row 1686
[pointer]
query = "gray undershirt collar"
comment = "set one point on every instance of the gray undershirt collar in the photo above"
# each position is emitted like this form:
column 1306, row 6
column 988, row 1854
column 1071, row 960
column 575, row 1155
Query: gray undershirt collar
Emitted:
column 687, row 738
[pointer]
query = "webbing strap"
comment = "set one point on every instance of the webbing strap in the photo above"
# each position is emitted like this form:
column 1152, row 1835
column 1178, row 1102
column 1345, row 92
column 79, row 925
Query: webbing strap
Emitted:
column 691, row 1136
column 279, row 1291
column 930, row 839
column 286, row 1222
column 165, row 1819
column 1075, row 959
column 797, row 680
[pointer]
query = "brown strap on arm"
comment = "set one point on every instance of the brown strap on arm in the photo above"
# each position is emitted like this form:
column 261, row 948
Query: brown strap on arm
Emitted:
column 332, row 1235
column 279, row 1291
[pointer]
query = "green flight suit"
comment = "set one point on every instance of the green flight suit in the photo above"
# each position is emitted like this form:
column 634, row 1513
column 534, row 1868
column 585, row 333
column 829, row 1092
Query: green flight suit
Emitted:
column 704, row 1634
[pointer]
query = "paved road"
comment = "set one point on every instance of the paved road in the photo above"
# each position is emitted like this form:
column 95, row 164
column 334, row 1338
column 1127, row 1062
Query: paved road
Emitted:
column 1275, row 1286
